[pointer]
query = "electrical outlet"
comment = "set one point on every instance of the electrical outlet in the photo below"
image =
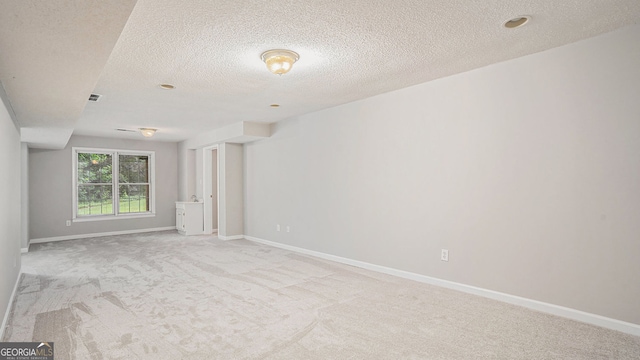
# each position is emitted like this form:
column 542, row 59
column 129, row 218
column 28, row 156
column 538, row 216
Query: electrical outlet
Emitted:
column 288, row 228
column 277, row 227
column 68, row 222
column 444, row 255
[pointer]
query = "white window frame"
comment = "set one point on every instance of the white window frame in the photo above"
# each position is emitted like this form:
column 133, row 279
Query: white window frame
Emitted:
column 115, row 193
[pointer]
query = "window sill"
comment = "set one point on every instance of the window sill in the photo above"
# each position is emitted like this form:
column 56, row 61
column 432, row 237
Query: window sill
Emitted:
column 112, row 217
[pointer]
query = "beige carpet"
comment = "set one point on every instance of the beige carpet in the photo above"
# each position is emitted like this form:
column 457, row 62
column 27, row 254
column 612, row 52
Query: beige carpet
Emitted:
column 166, row 296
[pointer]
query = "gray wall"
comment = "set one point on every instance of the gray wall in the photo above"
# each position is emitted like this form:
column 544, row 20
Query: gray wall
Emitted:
column 191, row 171
column 231, row 196
column 10, row 190
column 199, row 171
column 183, row 172
column 50, row 187
column 214, row 189
column 24, row 194
column 527, row 171
column 186, row 172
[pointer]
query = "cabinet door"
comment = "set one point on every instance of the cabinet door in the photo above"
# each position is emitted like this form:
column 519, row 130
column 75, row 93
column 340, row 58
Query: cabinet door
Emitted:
column 180, row 219
column 189, row 218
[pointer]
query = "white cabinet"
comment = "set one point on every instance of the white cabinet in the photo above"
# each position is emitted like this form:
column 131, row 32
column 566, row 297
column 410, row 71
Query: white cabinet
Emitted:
column 189, row 218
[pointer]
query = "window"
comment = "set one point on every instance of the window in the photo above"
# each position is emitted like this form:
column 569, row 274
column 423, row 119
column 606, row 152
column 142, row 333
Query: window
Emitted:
column 109, row 184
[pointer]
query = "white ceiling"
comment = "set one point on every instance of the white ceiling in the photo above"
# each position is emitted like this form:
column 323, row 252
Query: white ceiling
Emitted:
column 54, row 53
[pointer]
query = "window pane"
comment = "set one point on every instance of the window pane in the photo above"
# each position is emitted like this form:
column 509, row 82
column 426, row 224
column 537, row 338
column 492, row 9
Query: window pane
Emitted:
column 95, row 199
column 134, row 199
column 94, row 168
column 96, row 183
column 134, row 168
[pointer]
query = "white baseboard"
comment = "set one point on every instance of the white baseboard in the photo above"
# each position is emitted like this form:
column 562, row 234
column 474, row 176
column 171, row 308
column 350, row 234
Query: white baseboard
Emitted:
column 233, row 237
column 92, row 235
column 24, row 250
column 8, row 311
column 625, row 327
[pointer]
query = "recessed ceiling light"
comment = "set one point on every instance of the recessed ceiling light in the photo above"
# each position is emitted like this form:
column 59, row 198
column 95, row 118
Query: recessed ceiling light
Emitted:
column 167, row 86
column 275, row 105
column 517, row 22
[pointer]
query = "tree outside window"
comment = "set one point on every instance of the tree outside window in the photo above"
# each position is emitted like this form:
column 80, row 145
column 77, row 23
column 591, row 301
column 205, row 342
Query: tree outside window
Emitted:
column 98, row 172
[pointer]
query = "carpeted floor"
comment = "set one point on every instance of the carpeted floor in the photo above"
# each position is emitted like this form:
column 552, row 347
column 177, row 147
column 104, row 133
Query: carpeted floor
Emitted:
column 167, row 296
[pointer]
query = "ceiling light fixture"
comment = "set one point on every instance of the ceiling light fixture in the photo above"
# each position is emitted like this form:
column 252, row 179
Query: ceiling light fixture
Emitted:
column 147, row 132
column 279, row 61
column 167, row 86
column 517, row 22
column 275, row 105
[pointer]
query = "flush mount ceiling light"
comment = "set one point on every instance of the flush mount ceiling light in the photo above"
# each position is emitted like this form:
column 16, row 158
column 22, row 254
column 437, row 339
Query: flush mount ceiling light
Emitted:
column 517, row 22
column 167, row 86
column 147, row 132
column 279, row 61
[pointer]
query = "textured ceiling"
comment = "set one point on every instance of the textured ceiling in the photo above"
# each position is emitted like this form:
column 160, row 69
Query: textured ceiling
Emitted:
column 210, row 50
column 51, row 55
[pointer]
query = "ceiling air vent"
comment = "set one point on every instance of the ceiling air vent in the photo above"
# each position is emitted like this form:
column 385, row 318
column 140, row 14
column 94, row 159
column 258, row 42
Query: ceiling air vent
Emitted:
column 94, row 97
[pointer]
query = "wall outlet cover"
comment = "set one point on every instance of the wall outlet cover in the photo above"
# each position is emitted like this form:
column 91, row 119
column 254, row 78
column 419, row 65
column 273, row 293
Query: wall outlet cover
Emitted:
column 444, row 255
